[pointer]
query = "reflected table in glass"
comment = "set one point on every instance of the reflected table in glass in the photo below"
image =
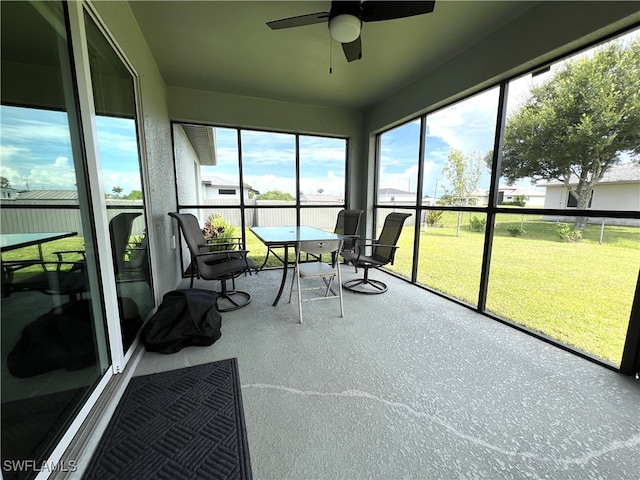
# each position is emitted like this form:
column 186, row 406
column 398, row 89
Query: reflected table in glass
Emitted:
column 288, row 237
column 13, row 241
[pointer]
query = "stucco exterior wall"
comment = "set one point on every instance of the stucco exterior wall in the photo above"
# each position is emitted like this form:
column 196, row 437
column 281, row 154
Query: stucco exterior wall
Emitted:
column 187, row 168
column 610, row 196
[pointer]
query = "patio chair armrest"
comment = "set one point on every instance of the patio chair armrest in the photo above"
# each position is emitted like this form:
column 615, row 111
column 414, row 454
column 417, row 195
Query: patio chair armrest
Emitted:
column 370, row 242
column 77, row 265
column 236, row 244
column 10, row 266
column 365, row 240
column 360, row 249
column 60, row 254
column 224, row 255
column 222, row 252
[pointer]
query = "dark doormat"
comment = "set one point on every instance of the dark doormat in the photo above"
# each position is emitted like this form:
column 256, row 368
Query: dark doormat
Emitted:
column 182, row 424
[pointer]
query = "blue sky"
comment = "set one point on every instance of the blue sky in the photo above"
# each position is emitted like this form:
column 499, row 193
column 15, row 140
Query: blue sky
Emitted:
column 467, row 126
column 269, row 161
column 35, row 150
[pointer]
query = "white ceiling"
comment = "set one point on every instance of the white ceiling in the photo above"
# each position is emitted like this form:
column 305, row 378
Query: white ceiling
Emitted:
column 226, row 46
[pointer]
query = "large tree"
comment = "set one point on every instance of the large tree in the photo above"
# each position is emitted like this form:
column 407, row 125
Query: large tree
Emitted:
column 579, row 123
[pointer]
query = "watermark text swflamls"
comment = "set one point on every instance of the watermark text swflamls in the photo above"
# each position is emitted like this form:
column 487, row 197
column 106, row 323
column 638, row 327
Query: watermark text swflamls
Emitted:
column 34, row 466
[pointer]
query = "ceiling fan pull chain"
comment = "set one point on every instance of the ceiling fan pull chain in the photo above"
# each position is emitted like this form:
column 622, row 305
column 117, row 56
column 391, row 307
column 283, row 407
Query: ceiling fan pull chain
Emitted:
column 330, row 54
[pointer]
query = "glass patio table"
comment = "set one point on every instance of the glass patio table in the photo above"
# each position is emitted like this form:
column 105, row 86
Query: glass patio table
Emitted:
column 287, row 237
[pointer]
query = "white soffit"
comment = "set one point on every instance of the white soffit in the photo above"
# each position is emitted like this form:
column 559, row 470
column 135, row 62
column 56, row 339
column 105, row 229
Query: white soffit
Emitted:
column 203, row 140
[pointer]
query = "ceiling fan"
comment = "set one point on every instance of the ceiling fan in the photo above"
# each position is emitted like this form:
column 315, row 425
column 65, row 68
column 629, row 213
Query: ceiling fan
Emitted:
column 345, row 20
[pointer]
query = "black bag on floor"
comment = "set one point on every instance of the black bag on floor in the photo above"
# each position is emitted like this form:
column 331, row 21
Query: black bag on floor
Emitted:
column 185, row 318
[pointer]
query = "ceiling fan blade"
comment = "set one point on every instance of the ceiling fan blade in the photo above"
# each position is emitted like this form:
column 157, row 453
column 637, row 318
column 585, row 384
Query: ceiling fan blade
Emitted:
column 299, row 21
column 353, row 50
column 375, row 11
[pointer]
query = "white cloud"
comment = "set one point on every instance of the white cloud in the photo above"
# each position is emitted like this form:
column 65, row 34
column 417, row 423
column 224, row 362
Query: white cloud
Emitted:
column 28, row 130
column 406, row 180
column 57, row 176
column 332, row 184
column 124, row 180
column 265, row 183
column 61, row 162
column 467, row 126
column 15, row 179
column 9, row 152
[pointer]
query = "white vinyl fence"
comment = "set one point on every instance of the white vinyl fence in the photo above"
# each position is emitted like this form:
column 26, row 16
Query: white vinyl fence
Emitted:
column 24, row 218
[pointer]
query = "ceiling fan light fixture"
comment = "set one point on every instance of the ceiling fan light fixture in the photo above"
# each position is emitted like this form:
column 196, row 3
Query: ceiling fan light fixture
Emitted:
column 345, row 28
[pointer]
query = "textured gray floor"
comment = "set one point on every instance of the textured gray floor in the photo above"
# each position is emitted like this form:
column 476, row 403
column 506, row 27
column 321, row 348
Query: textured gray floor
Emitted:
column 409, row 385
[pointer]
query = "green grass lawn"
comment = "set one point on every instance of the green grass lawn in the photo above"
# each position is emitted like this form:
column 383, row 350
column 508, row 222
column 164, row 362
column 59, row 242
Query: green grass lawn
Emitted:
column 579, row 293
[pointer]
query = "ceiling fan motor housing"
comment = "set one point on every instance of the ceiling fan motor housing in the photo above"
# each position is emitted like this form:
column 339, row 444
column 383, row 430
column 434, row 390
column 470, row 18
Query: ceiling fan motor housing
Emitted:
column 344, row 21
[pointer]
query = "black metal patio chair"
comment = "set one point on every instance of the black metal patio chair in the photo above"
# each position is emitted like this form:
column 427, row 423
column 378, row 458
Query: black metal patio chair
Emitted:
column 227, row 262
column 382, row 252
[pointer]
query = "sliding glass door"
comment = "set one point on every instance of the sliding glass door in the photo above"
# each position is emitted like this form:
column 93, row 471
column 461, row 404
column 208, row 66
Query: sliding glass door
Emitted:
column 54, row 340
column 119, row 163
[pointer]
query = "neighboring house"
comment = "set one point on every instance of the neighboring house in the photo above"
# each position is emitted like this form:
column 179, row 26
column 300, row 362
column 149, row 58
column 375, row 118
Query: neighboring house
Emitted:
column 8, row 193
column 320, row 198
column 533, row 197
column 219, row 188
column 619, row 190
column 386, row 195
column 429, row 201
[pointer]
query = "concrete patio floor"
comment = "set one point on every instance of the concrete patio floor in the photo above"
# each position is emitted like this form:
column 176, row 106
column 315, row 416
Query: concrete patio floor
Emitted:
column 410, row 385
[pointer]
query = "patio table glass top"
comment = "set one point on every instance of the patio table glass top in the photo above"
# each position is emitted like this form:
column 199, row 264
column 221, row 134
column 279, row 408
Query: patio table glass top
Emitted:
column 291, row 235
column 11, row 241
column 285, row 237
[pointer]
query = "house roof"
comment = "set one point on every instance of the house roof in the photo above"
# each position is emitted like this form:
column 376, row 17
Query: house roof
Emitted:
column 48, row 195
column 203, row 141
column 393, row 191
column 215, row 180
column 218, row 181
column 628, row 172
column 319, row 198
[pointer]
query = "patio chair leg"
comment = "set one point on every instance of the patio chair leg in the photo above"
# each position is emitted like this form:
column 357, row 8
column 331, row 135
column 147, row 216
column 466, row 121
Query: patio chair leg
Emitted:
column 228, row 296
column 365, row 285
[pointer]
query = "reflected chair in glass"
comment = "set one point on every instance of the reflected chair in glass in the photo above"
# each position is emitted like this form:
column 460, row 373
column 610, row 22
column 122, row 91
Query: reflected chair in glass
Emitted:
column 382, row 252
column 318, row 269
column 129, row 258
column 61, row 278
column 227, row 262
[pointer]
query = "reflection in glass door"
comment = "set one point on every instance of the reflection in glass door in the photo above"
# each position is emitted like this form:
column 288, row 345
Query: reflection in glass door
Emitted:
column 114, row 97
column 54, row 348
